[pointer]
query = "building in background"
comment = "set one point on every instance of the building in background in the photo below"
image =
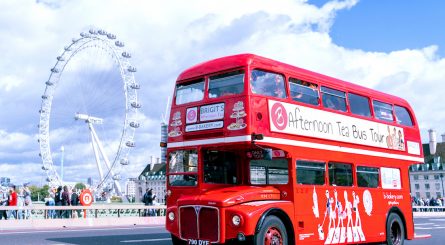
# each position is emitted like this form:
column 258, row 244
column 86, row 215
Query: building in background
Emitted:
column 130, row 188
column 153, row 176
column 5, row 181
column 427, row 180
column 90, row 181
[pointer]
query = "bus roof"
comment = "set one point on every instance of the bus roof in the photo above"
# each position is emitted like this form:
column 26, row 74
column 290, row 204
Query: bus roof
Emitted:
column 242, row 60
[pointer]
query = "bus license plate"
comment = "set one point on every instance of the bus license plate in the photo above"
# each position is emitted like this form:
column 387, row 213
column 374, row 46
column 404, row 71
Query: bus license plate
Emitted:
column 198, row 242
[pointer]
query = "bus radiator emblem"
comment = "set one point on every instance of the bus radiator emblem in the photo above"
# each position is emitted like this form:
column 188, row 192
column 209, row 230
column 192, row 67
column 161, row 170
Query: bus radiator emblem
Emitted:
column 197, row 208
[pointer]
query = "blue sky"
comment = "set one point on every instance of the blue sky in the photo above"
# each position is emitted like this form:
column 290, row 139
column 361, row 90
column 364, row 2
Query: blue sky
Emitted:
column 393, row 46
column 385, row 26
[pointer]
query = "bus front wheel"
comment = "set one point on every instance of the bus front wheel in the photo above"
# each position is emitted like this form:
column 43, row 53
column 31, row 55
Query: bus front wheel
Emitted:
column 272, row 232
column 395, row 231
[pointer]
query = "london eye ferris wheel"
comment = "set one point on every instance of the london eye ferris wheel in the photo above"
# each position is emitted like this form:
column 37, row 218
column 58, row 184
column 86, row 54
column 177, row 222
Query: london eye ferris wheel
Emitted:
column 88, row 114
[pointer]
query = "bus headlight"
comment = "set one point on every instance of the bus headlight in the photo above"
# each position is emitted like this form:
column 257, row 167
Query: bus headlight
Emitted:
column 171, row 216
column 236, row 220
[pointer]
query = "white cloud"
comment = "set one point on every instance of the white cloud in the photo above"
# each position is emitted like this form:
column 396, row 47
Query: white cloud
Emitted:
column 166, row 37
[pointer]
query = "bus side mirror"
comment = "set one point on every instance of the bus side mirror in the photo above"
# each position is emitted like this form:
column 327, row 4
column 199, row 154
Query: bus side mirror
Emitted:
column 267, row 154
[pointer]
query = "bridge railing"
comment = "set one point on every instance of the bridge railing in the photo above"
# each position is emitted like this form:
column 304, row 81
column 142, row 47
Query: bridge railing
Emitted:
column 94, row 211
column 422, row 209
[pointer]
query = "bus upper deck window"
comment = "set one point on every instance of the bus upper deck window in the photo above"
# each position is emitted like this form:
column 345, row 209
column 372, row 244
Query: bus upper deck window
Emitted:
column 303, row 91
column 383, row 111
column 267, row 83
column 226, row 84
column 359, row 105
column 190, row 92
column 333, row 99
column 402, row 116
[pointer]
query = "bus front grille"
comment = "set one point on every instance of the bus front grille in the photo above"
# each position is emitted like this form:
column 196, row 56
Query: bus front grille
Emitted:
column 199, row 222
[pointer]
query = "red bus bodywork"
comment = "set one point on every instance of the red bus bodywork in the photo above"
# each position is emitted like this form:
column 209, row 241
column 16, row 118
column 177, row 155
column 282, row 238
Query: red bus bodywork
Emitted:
column 311, row 214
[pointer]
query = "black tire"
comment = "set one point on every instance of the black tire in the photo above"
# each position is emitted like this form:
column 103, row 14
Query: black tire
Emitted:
column 272, row 231
column 177, row 241
column 395, row 230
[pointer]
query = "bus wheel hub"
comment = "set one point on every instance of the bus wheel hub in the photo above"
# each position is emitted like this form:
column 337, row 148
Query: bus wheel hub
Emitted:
column 273, row 237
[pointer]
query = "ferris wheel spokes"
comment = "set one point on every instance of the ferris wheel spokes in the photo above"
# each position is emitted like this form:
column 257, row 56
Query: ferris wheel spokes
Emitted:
column 99, row 149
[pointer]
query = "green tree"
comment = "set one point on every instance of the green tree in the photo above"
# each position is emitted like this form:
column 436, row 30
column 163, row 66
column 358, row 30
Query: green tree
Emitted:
column 80, row 186
column 37, row 193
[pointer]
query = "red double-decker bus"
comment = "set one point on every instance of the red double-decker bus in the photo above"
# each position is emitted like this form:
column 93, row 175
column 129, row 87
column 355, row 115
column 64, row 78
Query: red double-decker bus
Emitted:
column 264, row 152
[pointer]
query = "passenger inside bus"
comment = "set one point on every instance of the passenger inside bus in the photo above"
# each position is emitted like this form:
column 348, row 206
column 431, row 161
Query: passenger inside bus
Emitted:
column 303, row 91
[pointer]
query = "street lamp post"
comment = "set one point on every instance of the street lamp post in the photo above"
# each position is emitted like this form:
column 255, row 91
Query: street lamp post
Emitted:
column 441, row 179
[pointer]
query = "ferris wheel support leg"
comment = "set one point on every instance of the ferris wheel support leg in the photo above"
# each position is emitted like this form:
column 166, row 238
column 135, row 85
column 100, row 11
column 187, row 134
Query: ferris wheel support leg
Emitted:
column 104, row 156
column 96, row 154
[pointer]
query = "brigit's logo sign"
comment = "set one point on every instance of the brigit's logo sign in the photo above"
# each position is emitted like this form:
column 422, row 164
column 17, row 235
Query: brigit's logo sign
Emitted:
column 279, row 116
column 192, row 115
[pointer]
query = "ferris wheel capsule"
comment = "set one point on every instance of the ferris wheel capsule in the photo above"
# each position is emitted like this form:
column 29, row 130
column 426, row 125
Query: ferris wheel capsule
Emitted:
column 111, row 36
column 49, row 83
column 116, row 177
column 119, row 44
column 54, row 70
column 124, row 161
column 126, row 55
column 92, row 31
column 135, row 104
column 132, row 69
column 130, row 143
column 134, row 124
column 67, row 48
column 135, row 86
column 102, row 32
column 60, row 58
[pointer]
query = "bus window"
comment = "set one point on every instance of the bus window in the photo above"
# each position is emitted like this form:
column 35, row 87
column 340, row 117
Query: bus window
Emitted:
column 264, row 172
column 190, row 92
column 303, row 91
column 219, row 167
column 311, row 173
column 367, row 177
column 226, row 84
column 391, row 178
column 267, row 83
column 359, row 105
column 383, row 111
column 340, row 174
column 402, row 116
column 333, row 99
column 183, row 166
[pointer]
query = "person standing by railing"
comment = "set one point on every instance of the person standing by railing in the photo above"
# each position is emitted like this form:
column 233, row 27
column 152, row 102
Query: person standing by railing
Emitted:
column 75, row 202
column 12, row 201
column 148, row 201
column 66, row 202
column 3, row 203
column 58, row 201
column 27, row 201
column 49, row 201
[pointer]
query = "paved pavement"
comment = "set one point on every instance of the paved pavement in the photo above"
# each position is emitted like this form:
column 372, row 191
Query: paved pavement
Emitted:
column 153, row 235
column 157, row 235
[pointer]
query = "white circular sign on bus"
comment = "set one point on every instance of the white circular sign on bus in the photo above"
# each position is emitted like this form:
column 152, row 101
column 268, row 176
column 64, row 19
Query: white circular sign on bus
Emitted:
column 367, row 202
